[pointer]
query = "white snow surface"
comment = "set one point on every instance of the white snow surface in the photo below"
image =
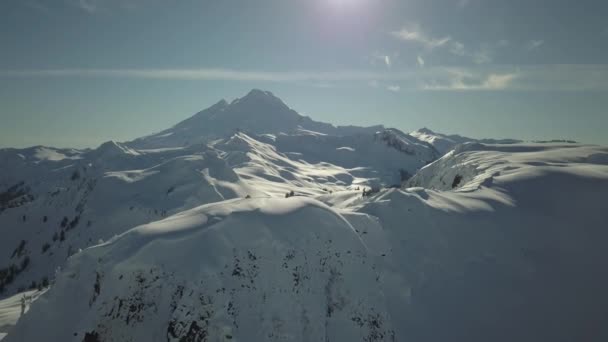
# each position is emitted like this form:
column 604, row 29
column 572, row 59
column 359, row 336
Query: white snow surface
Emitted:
column 489, row 242
column 244, row 270
column 12, row 309
column 446, row 142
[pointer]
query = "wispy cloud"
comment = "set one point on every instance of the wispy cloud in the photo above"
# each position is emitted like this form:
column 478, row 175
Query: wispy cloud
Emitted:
column 204, row 74
column 413, row 33
column 478, row 78
column 380, row 58
column 420, row 61
column 534, row 44
column 98, row 6
column 393, row 88
column 466, row 81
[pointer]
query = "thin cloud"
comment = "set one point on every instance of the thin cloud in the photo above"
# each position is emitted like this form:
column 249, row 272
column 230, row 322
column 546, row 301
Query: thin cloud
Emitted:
column 483, row 55
column 213, row 74
column 393, row 88
column 462, row 81
column 420, row 61
column 413, row 33
column 379, row 58
column 416, row 35
column 99, row 6
column 534, row 44
column 478, row 78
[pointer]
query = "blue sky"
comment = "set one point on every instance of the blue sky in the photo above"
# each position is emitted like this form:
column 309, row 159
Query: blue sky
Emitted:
column 80, row 72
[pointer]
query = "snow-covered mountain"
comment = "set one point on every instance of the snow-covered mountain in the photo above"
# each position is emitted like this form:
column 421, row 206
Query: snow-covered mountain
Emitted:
column 444, row 142
column 258, row 112
column 54, row 202
column 249, row 222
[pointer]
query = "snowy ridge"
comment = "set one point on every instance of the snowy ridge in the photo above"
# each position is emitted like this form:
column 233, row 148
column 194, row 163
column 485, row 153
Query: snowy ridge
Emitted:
column 64, row 200
column 300, row 231
column 241, row 270
column 472, row 165
column 444, row 142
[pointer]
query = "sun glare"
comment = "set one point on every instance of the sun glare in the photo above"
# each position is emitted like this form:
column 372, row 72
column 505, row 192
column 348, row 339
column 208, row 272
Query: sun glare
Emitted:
column 345, row 4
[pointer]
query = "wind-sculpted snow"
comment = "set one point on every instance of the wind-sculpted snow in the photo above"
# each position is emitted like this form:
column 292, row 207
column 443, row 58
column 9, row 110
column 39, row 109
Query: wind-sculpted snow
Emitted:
column 243, row 270
column 271, row 173
column 472, row 165
column 385, row 158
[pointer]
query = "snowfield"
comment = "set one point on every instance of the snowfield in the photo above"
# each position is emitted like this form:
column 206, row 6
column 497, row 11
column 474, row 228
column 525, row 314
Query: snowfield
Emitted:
column 273, row 269
column 249, row 222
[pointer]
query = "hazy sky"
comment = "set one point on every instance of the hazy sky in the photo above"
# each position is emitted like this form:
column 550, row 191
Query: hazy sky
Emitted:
column 80, row 72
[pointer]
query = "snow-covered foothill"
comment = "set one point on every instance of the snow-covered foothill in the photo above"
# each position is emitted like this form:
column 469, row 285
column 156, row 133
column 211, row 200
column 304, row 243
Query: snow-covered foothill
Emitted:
column 242, row 270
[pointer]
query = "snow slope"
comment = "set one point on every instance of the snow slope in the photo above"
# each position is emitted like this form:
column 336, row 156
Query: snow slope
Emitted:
column 54, row 202
column 12, row 308
column 389, row 156
column 242, row 270
column 472, row 165
column 444, row 142
column 491, row 242
column 51, row 208
column 525, row 249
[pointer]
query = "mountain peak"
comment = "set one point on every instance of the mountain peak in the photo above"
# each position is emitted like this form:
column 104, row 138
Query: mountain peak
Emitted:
column 259, row 93
column 220, row 103
column 259, row 96
column 425, row 131
column 258, row 112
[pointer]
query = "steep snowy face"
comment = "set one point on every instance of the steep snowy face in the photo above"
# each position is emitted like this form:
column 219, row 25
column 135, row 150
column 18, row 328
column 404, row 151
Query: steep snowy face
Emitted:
column 269, row 172
column 386, row 158
column 441, row 142
column 243, row 270
column 50, row 208
column 407, row 144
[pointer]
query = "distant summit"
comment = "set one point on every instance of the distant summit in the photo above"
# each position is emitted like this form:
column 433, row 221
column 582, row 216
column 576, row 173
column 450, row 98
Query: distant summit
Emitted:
column 258, row 112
